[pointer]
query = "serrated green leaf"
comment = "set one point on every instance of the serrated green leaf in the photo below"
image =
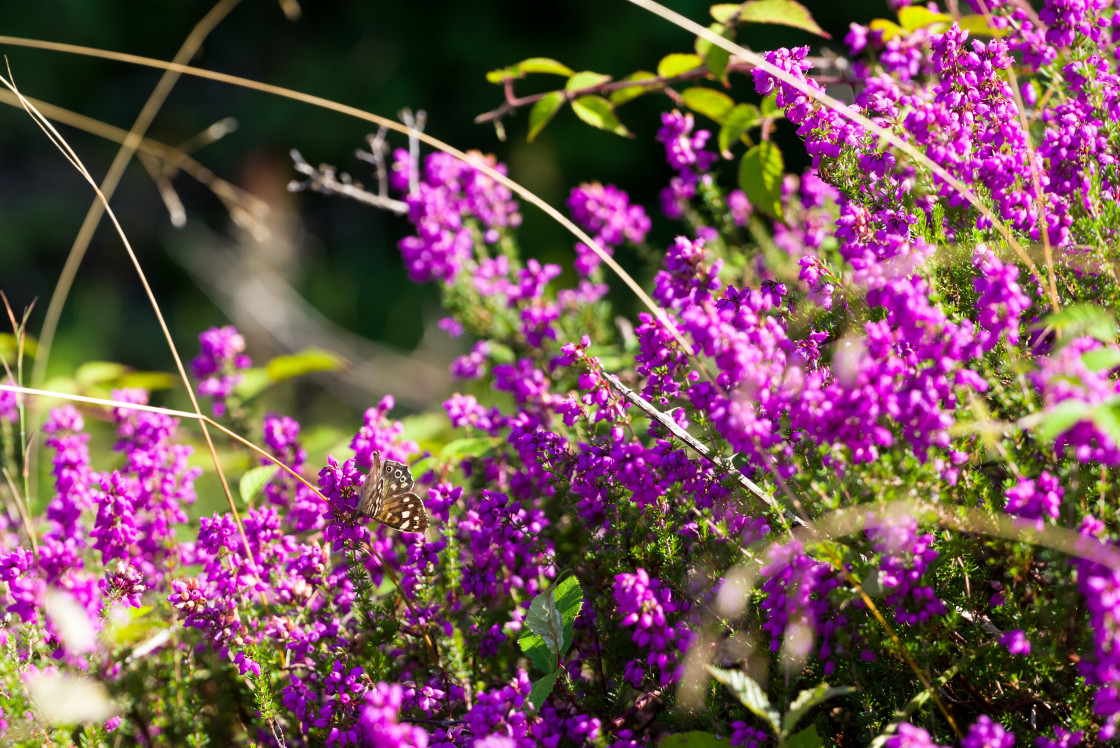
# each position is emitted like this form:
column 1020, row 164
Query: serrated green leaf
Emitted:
column 887, row 29
column 541, row 689
column 544, row 620
column 98, row 372
column 545, row 65
column 1076, row 320
column 598, row 112
column 307, row 361
column 741, row 118
column 807, row 738
column 694, row 739
column 914, row 17
column 1101, row 359
column 677, row 63
column 783, row 13
column 715, row 105
column 1062, row 417
column 475, row 446
column 585, row 79
column 543, row 112
column 808, row 699
column 747, row 690
column 253, row 481
column 760, row 177
column 644, row 82
column 569, row 602
column 537, row 651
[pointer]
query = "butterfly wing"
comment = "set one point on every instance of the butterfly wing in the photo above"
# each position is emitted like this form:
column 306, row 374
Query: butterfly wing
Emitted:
column 373, row 489
column 396, row 477
column 404, row 512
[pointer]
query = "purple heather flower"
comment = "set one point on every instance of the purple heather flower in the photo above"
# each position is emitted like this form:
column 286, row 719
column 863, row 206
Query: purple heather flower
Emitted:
column 647, row 604
column 1063, row 738
column 1035, row 499
column 218, row 365
column 985, row 733
column 1016, row 642
column 746, row 736
column 909, row 736
column 378, row 723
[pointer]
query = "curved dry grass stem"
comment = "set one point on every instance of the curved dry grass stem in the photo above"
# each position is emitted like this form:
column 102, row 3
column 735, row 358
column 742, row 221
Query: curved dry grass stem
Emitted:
column 365, row 116
column 849, row 113
column 112, row 179
column 73, row 158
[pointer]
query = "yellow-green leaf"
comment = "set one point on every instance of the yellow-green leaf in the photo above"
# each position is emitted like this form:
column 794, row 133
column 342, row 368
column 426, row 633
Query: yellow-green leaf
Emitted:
column 760, row 177
column 306, row 361
column 977, row 25
column 715, row 105
column 9, row 347
column 677, row 63
column 740, row 119
column 644, row 82
column 148, row 380
column 545, row 65
column 888, row 29
column 98, row 372
column 715, row 57
column 253, row 481
column 783, row 13
column 543, row 112
column 914, row 17
column 584, row 80
column 598, row 112
column 724, row 12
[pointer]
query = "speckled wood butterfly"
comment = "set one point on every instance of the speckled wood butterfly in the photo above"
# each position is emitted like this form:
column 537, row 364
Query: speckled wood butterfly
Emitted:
column 387, row 497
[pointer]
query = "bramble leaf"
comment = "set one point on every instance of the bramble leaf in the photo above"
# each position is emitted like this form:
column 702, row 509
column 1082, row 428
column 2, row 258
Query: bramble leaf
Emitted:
column 542, row 688
column 543, row 112
column 782, row 13
column 747, row 690
column 760, row 177
column 644, row 82
column 740, row 119
column 677, row 63
column 584, row 80
column 914, row 17
column 715, row 105
column 807, row 738
column 307, row 361
column 808, row 699
column 545, row 620
column 253, row 481
column 598, row 112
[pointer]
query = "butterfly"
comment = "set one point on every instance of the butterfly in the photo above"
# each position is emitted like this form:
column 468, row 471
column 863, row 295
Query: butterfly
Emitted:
column 387, row 497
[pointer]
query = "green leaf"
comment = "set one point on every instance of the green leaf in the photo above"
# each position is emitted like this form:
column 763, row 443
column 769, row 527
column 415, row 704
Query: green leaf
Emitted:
column 544, row 620
column 545, row 65
column 808, row 699
column 253, row 382
column 914, row 17
column 644, row 82
column 783, row 13
column 542, row 688
column 1062, row 417
column 598, row 112
column 1083, row 319
column 888, row 29
column 677, row 63
column 586, row 79
column 476, row 446
column 741, row 118
column 253, row 481
column 1101, row 359
column 977, row 25
column 715, row 105
column 148, row 380
column 693, row 739
column 543, row 112
column 98, row 372
column 760, row 177
column 307, row 361
column 807, row 738
column 769, row 108
column 715, row 57
column 724, row 12
column 9, row 347
column 1106, row 417
column 531, row 65
column 537, row 651
column 569, row 601
column 750, row 694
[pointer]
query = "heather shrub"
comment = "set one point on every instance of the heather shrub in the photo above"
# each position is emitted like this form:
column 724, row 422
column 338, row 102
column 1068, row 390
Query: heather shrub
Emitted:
column 850, row 479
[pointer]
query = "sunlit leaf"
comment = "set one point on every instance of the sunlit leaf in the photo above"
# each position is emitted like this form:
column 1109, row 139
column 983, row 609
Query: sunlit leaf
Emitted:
column 977, row 25
column 715, row 57
column 781, row 12
column 542, row 688
column 98, row 372
column 760, row 177
column 253, row 481
column 887, row 29
column 713, row 104
column 913, row 17
column 677, row 63
column 598, row 112
column 584, row 80
column 545, row 65
column 543, row 111
column 545, row 620
column 747, row 690
column 739, row 120
column 644, row 82
column 569, row 602
column 808, row 699
column 1077, row 320
column 460, row 449
column 1062, row 417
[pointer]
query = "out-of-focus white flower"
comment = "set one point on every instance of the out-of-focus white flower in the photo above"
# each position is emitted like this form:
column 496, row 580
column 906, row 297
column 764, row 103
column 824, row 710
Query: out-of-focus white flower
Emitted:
column 65, row 699
column 70, row 621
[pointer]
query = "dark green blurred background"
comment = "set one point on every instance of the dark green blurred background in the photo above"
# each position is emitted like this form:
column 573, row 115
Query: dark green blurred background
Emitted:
column 339, row 255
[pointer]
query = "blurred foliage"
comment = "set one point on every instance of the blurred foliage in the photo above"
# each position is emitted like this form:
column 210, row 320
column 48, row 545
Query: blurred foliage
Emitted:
column 342, row 256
